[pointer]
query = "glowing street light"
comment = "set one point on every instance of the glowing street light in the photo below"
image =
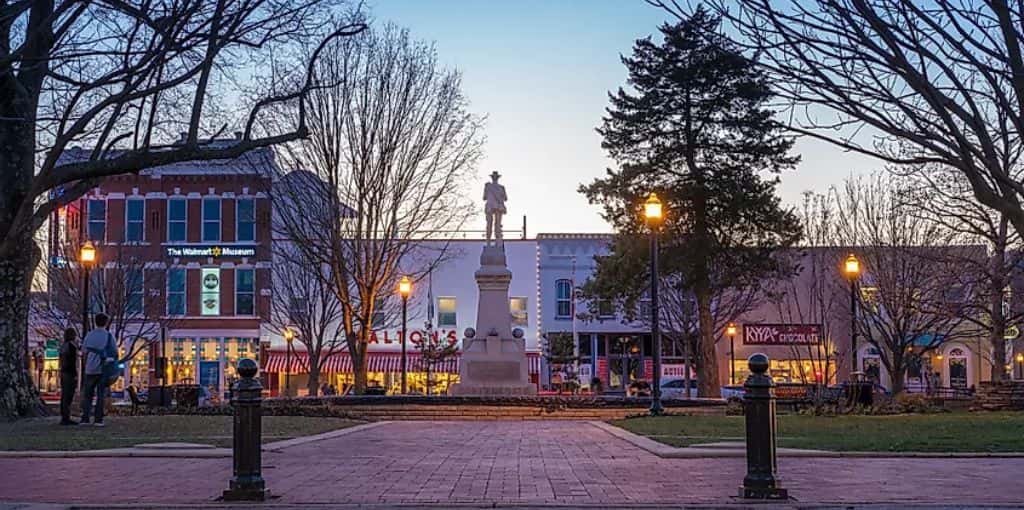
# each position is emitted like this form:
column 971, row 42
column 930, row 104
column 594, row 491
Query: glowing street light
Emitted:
column 289, row 337
column 405, row 290
column 731, row 331
column 653, row 215
column 851, row 268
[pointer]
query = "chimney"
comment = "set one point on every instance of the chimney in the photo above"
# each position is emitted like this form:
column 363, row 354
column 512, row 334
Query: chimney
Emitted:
column 238, row 135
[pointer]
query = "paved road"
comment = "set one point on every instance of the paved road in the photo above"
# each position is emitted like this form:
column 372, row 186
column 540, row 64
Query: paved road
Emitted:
column 521, row 462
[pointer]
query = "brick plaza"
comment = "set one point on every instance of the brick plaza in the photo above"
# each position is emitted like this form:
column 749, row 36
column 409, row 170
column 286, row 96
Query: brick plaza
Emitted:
column 503, row 462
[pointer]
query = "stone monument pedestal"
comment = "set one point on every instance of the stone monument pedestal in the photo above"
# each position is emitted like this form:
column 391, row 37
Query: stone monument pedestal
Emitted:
column 493, row 355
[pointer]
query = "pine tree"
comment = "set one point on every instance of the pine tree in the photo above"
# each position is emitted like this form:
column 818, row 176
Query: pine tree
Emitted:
column 695, row 128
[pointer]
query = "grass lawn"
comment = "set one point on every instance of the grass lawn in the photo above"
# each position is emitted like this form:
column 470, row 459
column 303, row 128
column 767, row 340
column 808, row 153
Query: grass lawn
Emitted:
column 121, row 431
column 948, row 432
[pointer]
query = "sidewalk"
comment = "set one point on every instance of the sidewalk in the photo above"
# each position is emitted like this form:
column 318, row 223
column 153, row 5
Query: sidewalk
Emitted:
column 565, row 464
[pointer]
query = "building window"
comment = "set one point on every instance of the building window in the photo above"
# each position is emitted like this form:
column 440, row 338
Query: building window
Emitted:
column 518, row 305
column 563, row 298
column 134, row 289
column 211, row 219
column 605, row 308
column 97, row 220
column 176, row 291
column 177, row 220
column 245, row 292
column 379, row 317
column 134, row 219
column 446, row 317
column 210, row 297
column 246, row 219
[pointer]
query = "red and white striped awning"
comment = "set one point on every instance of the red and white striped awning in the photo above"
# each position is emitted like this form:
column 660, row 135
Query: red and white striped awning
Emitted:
column 278, row 362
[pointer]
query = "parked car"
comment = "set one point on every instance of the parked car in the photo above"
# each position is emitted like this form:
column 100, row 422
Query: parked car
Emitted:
column 732, row 392
column 676, row 388
column 371, row 389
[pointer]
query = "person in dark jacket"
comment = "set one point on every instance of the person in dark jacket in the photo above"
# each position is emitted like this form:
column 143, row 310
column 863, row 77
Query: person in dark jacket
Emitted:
column 68, row 374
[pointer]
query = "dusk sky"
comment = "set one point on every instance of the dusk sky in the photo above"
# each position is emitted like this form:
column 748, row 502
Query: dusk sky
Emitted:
column 540, row 71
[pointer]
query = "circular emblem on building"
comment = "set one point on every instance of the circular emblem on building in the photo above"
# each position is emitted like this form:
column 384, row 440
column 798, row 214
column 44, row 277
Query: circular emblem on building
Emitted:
column 211, row 281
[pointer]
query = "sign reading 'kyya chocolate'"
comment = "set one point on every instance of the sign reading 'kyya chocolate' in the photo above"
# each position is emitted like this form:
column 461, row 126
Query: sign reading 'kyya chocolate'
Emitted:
column 781, row 334
column 211, row 251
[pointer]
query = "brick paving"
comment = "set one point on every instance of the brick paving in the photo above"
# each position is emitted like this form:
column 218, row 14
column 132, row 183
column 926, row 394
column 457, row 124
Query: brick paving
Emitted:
column 520, row 462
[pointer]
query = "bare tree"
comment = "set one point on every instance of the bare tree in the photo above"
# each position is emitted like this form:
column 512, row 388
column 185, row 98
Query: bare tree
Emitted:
column 391, row 150
column 909, row 82
column 435, row 351
column 910, row 301
column 120, row 288
column 305, row 304
column 815, row 292
column 129, row 77
column 938, row 194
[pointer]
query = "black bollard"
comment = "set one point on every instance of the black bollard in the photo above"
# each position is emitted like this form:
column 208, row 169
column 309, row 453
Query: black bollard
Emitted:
column 247, row 399
column 759, row 411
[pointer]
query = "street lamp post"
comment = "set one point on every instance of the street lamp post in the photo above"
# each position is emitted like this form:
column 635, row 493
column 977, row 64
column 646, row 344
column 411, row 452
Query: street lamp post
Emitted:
column 852, row 269
column 653, row 215
column 1020, row 365
column 289, row 337
column 86, row 257
column 404, row 289
column 731, row 331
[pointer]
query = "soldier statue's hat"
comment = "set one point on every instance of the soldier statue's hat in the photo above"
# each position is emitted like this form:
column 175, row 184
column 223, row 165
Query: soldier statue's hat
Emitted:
column 495, row 174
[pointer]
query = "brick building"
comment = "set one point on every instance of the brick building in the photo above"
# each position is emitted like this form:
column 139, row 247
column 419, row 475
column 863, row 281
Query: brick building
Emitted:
column 195, row 239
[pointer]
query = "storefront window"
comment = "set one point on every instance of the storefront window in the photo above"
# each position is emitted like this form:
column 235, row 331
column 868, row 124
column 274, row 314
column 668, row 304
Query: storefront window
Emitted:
column 182, row 360
column 139, row 369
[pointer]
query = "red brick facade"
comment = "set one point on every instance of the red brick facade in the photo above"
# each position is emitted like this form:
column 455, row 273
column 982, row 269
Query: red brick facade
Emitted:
column 235, row 332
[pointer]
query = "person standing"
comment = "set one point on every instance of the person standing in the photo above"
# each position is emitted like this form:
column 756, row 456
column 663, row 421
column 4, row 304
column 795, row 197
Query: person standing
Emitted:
column 99, row 350
column 68, row 374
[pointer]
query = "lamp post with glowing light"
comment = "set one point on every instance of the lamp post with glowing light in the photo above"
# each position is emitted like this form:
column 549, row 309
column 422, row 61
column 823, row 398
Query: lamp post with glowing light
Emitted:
column 87, row 258
column 1020, row 364
column 731, row 331
column 653, row 216
column 289, row 337
column 404, row 289
column 852, row 270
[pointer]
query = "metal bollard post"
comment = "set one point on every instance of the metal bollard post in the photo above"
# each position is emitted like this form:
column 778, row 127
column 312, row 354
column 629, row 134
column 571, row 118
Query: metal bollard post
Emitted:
column 759, row 411
column 247, row 401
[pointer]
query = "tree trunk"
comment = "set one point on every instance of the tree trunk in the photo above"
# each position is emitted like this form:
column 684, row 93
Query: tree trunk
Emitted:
column 18, row 396
column 898, row 376
column 707, row 364
column 313, row 382
column 997, row 333
column 359, row 368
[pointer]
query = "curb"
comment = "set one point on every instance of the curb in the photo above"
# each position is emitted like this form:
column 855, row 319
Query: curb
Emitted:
column 277, row 446
column 203, row 453
column 690, row 452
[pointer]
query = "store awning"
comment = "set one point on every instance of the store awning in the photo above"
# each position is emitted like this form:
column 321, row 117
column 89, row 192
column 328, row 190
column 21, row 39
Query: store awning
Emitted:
column 277, row 362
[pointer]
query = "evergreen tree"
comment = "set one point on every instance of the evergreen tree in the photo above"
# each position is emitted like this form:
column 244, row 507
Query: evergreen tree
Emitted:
column 694, row 127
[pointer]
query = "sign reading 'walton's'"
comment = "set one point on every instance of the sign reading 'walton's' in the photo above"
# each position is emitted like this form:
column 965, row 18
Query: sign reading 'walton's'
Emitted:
column 781, row 334
column 211, row 251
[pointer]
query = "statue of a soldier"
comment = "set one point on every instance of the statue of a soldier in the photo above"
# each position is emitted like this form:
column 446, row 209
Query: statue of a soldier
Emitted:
column 494, row 208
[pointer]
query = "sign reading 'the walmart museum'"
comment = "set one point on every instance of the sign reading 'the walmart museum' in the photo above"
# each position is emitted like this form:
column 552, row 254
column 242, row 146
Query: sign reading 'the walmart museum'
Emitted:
column 215, row 250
